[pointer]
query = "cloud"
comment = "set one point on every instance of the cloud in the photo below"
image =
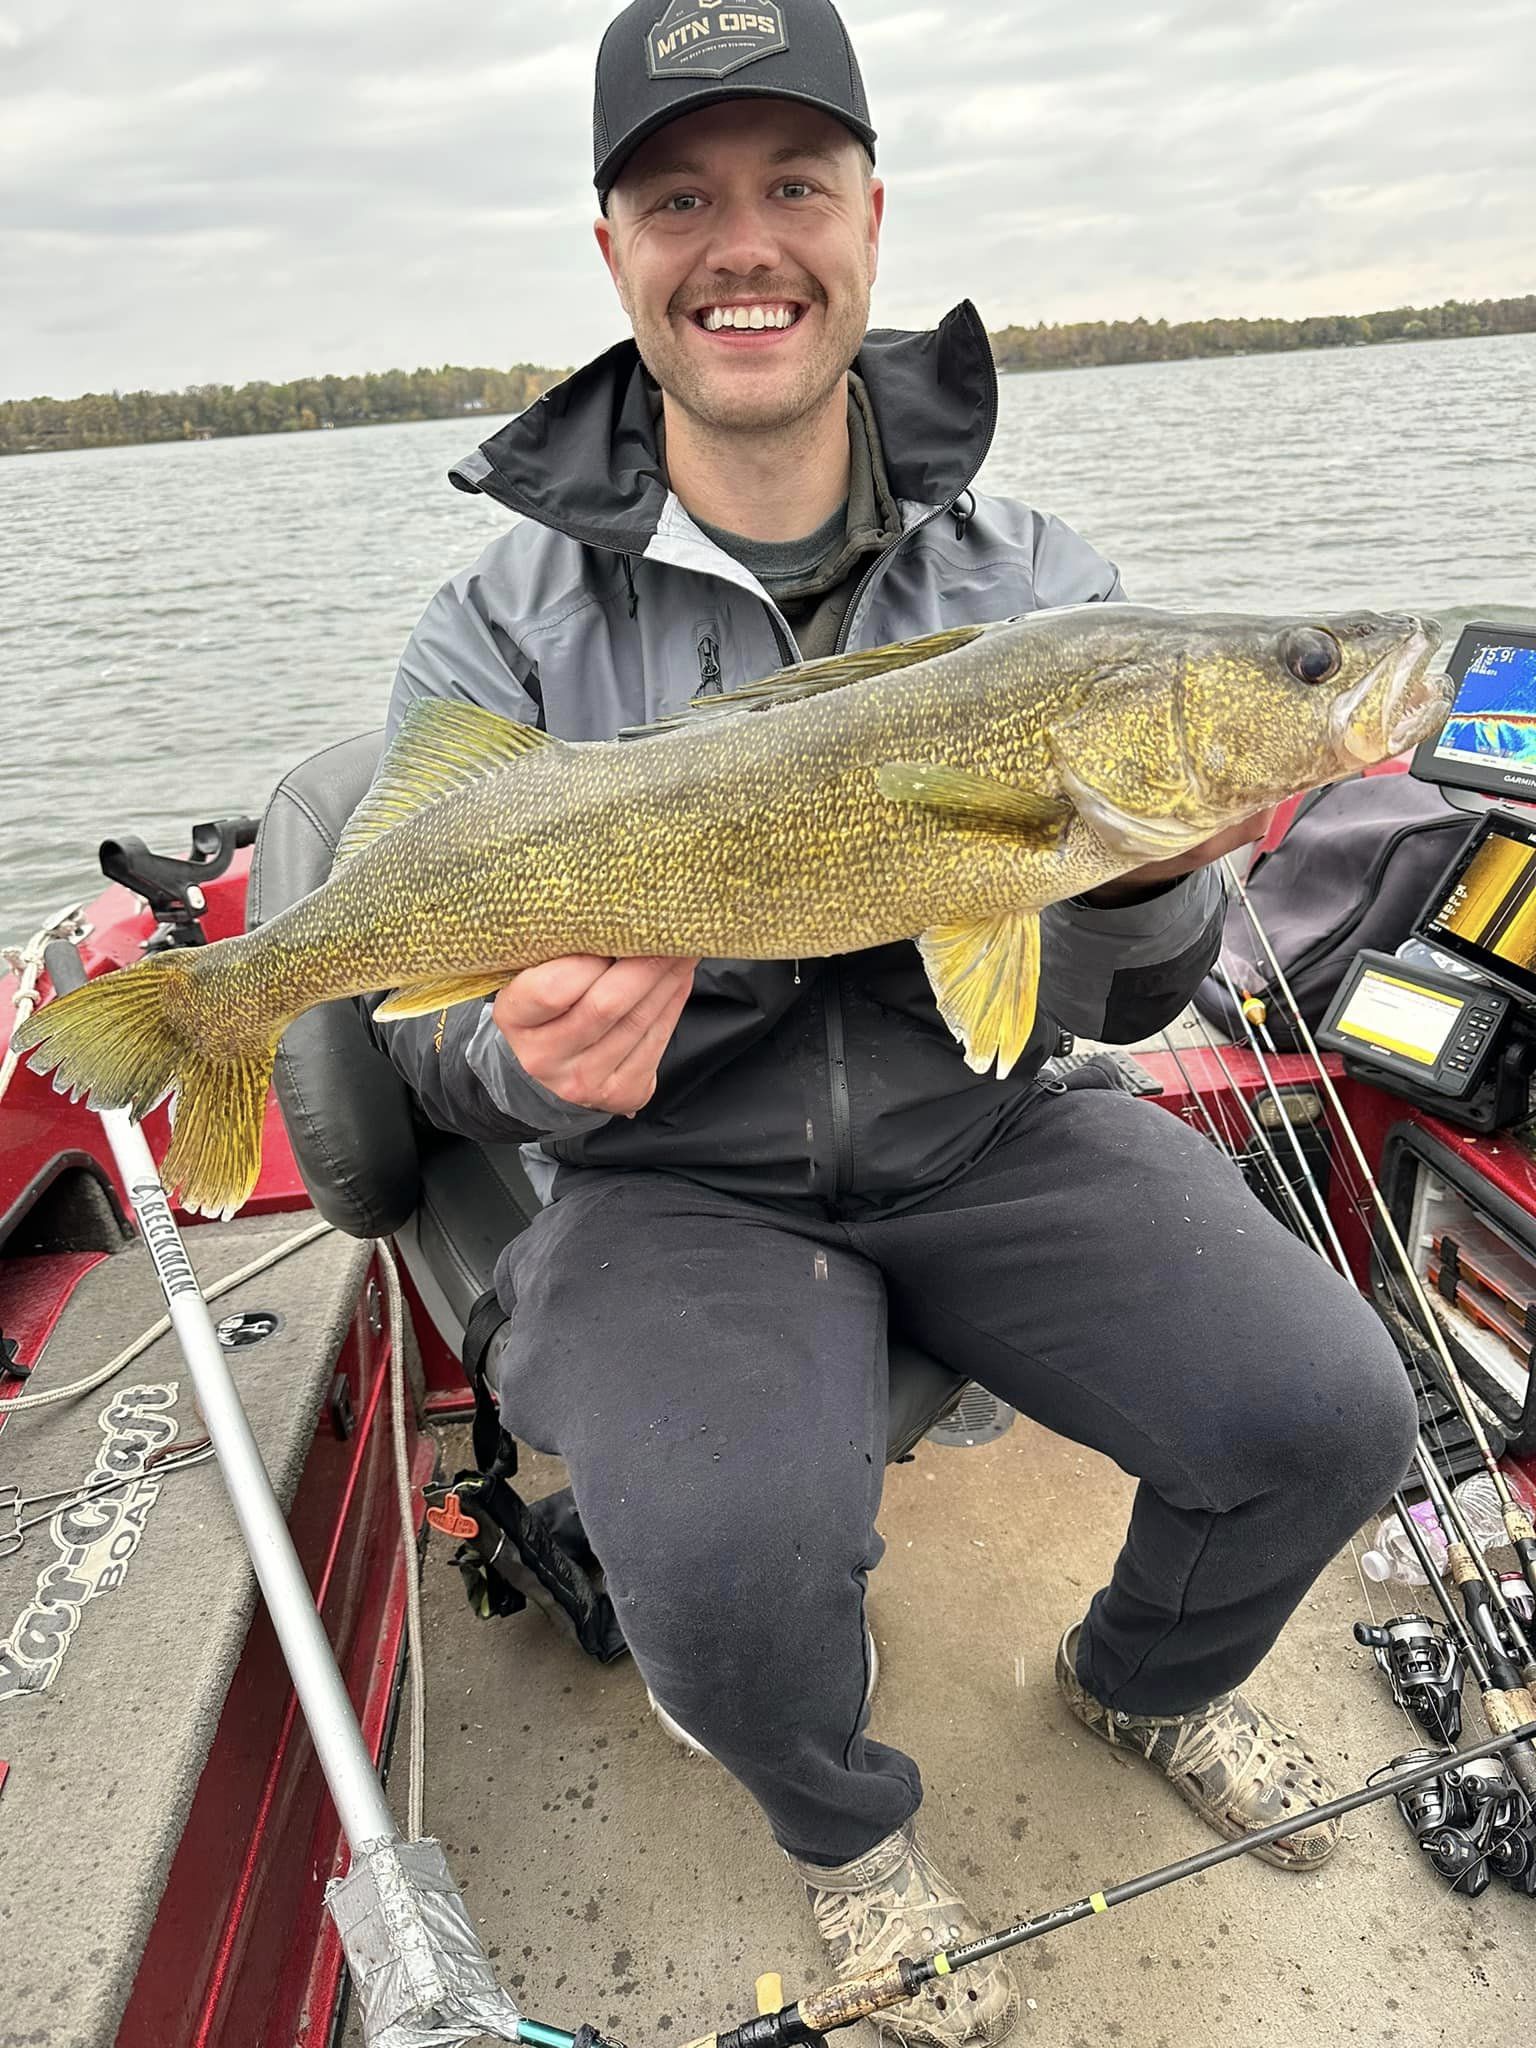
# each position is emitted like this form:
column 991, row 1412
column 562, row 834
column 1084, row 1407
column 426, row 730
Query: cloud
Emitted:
column 208, row 192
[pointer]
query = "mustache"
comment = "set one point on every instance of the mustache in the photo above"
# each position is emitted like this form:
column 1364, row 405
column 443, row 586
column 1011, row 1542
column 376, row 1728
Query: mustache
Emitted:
column 749, row 291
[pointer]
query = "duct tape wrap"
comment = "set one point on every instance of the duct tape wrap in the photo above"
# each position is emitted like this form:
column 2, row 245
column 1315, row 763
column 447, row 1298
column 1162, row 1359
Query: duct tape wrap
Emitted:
column 422, row 1978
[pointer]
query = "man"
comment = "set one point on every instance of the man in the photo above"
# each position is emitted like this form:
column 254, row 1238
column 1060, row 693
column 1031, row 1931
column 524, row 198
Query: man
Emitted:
column 745, row 1165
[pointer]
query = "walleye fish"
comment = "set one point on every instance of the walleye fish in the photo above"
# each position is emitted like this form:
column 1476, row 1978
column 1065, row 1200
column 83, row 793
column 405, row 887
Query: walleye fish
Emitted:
column 943, row 789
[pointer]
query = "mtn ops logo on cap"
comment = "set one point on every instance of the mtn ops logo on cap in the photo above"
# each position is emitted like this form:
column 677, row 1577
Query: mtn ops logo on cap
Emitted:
column 710, row 38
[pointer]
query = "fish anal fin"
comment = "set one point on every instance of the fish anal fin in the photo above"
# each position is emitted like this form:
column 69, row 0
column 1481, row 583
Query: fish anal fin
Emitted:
column 421, row 998
column 985, row 975
column 970, row 799
column 442, row 745
column 811, row 678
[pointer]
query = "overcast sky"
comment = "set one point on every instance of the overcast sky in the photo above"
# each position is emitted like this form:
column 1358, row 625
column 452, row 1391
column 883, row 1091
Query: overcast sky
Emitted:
column 216, row 190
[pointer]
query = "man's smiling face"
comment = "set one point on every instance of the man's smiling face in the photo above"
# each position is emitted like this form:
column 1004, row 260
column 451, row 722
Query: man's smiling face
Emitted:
column 743, row 241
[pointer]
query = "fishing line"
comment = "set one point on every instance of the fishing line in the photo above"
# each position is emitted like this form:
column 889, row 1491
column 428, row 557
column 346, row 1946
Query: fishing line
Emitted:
column 1505, row 1699
column 1193, row 1093
column 1287, row 1124
column 1278, row 1179
column 1517, row 1522
column 1308, row 1230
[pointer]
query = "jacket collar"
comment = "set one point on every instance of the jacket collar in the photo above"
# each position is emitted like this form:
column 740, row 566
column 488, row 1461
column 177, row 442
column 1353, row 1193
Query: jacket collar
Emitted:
column 583, row 460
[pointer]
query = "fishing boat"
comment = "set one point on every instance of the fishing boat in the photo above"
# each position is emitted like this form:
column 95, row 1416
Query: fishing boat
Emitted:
column 166, row 1837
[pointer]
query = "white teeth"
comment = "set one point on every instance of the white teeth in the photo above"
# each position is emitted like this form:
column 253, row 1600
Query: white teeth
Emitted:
column 748, row 317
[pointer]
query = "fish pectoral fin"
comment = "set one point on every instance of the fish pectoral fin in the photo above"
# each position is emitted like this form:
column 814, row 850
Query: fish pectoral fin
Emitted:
column 969, row 799
column 421, row 998
column 811, row 678
column 986, row 980
column 442, row 745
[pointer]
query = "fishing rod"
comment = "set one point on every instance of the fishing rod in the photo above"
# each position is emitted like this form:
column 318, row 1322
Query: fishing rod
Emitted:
column 1251, row 1010
column 1279, row 1178
column 821, row 2012
column 1287, row 1121
column 1517, row 1523
column 1486, row 1594
column 1421, row 1690
column 1506, row 1704
column 1478, row 1584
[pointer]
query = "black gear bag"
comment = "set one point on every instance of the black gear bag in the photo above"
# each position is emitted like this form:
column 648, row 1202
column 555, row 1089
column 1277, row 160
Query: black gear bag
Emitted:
column 510, row 1550
column 1356, row 868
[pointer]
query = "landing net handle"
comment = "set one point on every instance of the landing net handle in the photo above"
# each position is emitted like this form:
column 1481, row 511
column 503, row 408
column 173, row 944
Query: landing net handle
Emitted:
column 344, row 1759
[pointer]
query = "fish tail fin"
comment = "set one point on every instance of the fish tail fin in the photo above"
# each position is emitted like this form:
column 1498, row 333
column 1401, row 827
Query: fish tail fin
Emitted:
column 129, row 1039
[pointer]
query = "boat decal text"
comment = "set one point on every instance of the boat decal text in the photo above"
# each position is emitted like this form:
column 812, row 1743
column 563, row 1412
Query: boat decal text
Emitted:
column 93, row 1539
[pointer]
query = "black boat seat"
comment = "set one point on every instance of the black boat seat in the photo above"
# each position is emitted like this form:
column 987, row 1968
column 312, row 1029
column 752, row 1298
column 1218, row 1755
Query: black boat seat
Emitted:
column 372, row 1163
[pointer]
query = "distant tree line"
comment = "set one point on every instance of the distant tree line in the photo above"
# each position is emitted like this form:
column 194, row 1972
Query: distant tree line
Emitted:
column 1091, row 344
column 207, row 412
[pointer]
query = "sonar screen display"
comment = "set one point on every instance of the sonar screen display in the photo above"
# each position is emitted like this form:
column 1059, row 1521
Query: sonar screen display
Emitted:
column 1491, row 908
column 1493, row 720
column 1403, row 1016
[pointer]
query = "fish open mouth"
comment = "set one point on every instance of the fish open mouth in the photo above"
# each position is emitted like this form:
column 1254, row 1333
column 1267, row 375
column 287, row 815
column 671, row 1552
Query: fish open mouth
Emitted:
column 1397, row 704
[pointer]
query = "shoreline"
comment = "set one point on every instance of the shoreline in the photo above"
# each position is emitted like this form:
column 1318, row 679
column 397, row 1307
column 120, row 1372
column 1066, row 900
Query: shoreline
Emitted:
column 214, row 412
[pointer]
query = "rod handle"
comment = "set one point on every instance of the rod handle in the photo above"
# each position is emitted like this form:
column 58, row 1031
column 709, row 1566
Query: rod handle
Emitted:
column 840, row 2004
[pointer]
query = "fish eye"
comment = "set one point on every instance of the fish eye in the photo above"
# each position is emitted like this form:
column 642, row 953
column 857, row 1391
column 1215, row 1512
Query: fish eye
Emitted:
column 1311, row 655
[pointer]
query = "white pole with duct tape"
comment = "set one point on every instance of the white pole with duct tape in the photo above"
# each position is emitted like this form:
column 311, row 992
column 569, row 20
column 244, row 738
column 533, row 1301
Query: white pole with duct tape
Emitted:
column 422, row 1977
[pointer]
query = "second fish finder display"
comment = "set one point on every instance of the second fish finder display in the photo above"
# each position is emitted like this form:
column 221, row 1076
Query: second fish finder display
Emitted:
column 1489, row 912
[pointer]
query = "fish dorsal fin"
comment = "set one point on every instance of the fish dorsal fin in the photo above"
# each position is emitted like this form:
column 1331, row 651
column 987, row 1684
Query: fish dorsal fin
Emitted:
column 442, row 745
column 985, row 975
column 966, row 799
column 811, row 678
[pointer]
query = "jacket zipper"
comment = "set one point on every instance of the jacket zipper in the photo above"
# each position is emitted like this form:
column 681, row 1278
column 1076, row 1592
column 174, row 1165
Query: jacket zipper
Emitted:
column 837, row 1081
column 832, row 982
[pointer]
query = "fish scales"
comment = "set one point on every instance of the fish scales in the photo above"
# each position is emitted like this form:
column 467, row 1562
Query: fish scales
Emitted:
column 945, row 790
column 762, row 836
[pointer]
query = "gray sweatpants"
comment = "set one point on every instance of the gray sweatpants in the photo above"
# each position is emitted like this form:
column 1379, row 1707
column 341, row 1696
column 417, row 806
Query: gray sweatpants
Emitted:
column 713, row 1372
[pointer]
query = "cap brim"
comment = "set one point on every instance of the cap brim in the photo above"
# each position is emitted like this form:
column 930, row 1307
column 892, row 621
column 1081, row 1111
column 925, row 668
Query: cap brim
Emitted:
column 692, row 103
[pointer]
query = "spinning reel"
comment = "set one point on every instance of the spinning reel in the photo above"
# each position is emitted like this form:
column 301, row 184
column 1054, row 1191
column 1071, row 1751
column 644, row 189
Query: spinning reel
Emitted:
column 1423, row 1666
column 1472, row 1821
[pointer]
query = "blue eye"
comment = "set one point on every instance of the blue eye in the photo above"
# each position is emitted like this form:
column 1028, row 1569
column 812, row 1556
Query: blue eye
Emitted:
column 680, row 202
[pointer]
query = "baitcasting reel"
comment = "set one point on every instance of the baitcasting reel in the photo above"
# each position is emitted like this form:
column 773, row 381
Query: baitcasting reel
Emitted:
column 1424, row 1669
column 1472, row 1822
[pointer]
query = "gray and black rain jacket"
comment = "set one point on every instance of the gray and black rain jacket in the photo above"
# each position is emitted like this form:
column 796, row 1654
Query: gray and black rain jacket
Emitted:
column 833, row 1080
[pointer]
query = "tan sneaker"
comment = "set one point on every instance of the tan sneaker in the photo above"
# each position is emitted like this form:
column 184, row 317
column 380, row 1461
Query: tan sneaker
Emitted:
column 1237, row 1767
column 891, row 1902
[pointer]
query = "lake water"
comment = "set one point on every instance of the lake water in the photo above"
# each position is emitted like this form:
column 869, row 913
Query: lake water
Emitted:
column 180, row 624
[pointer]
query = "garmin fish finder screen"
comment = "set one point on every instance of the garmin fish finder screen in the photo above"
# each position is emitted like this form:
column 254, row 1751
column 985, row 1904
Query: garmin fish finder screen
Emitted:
column 1491, row 906
column 1399, row 1016
column 1493, row 721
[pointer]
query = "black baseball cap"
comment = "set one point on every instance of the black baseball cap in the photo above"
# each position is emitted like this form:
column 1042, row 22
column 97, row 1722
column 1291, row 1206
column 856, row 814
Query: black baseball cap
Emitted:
column 663, row 58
